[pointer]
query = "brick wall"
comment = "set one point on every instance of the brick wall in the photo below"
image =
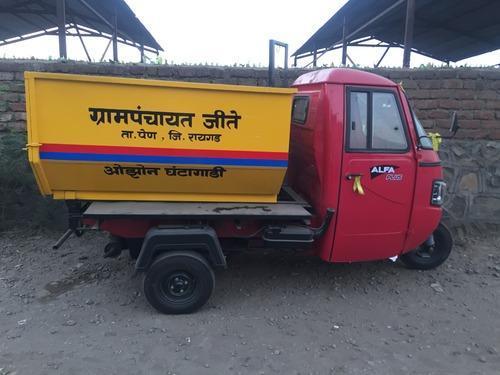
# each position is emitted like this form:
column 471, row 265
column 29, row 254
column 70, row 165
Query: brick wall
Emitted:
column 435, row 93
column 472, row 160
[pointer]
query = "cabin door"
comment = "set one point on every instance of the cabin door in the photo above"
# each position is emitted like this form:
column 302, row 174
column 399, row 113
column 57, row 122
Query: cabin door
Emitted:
column 377, row 180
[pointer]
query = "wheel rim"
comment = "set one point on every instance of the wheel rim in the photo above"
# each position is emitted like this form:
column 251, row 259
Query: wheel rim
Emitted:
column 178, row 285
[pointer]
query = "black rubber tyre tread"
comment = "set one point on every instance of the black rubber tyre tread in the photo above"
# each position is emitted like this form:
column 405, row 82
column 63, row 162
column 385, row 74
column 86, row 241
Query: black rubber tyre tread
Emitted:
column 443, row 245
column 169, row 262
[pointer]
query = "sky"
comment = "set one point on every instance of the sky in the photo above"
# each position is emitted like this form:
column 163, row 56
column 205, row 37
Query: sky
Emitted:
column 228, row 32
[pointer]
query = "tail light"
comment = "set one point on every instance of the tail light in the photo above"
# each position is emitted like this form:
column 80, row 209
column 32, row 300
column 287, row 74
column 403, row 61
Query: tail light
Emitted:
column 438, row 190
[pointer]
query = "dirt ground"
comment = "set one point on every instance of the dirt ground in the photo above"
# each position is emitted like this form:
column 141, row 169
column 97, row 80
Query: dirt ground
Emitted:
column 70, row 311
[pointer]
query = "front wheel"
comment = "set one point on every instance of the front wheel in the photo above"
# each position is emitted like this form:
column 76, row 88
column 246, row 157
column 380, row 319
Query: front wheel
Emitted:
column 179, row 282
column 427, row 257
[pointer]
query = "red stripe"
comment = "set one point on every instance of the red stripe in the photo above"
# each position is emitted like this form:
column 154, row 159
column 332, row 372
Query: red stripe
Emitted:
column 123, row 150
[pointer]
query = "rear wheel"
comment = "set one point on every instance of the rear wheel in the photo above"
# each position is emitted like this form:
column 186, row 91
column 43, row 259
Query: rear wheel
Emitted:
column 179, row 282
column 427, row 257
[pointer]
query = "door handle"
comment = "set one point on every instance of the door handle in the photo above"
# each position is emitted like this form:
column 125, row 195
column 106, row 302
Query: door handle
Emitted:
column 350, row 176
column 356, row 185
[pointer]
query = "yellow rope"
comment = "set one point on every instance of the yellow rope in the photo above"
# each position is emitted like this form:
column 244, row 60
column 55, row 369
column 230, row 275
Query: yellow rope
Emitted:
column 357, row 187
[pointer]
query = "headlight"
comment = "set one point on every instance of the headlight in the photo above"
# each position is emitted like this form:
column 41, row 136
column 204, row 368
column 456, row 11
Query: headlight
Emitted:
column 438, row 189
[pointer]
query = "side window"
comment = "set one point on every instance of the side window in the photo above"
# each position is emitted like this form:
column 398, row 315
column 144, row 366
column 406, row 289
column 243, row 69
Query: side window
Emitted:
column 388, row 132
column 358, row 138
column 299, row 109
column 375, row 123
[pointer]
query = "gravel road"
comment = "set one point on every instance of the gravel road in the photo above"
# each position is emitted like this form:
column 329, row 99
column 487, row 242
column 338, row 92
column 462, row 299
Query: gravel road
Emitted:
column 72, row 312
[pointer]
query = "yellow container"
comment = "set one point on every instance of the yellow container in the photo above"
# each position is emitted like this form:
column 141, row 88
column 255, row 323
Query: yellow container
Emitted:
column 106, row 138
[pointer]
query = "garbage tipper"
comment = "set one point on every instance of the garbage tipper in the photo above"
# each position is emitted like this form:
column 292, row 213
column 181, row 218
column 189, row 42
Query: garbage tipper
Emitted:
column 181, row 174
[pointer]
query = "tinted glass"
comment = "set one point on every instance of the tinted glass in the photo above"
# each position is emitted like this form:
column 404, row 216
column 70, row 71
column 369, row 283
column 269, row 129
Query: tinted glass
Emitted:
column 299, row 109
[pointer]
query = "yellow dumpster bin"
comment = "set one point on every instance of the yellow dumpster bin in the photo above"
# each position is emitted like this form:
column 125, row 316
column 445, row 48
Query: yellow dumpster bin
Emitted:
column 106, row 138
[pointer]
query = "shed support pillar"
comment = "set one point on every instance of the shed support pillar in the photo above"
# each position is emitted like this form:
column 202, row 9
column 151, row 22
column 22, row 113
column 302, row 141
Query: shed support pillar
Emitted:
column 115, row 37
column 344, row 43
column 410, row 21
column 315, row 58
column 61, row 25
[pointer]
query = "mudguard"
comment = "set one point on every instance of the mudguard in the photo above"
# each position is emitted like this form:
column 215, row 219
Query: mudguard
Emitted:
column 202, row 239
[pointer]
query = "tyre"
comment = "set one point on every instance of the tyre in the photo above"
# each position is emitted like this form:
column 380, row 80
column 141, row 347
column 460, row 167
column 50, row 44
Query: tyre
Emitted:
column 179, row 282
column 428, row 257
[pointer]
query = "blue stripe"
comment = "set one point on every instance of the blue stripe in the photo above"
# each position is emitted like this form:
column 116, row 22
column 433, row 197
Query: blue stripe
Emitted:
column 161, row 159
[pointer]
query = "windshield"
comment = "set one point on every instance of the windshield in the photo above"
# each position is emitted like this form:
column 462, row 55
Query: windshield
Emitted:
column 423, row 139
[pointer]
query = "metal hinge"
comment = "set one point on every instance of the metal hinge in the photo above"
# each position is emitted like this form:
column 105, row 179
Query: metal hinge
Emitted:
column 34, row 145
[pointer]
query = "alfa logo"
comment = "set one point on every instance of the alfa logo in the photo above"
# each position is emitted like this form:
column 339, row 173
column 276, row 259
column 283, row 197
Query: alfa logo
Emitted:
column 377, row 170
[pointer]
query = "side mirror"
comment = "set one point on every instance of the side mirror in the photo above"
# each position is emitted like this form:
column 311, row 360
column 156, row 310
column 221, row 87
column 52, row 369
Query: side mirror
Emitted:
column 454, row 124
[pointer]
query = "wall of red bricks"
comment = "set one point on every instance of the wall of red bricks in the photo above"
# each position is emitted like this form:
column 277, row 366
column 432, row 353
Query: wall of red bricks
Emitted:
column 473, row 93
column 435, row 93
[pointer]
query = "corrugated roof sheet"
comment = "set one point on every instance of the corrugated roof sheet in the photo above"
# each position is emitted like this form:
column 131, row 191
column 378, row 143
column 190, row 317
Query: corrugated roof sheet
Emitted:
column 448, row 30
column 37, row 15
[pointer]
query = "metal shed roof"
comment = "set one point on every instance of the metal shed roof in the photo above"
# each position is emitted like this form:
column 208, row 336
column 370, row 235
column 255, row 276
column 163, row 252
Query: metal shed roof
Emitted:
column 447, row 30
column 24, row 19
